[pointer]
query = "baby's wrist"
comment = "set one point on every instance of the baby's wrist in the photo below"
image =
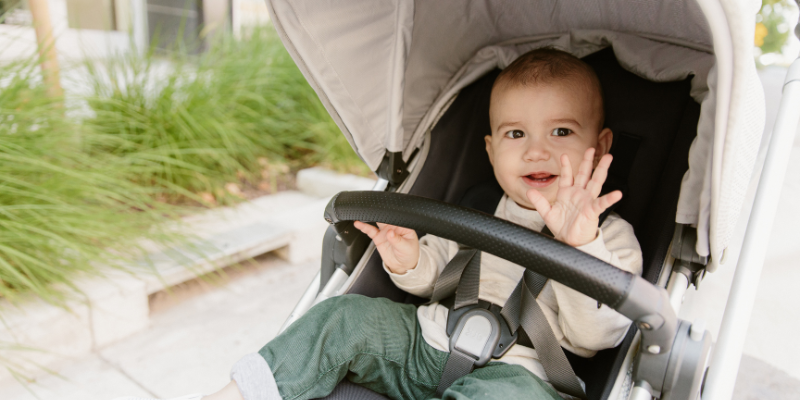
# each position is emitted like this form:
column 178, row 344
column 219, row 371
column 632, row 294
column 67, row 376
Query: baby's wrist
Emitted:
column 400, row 270
column 582, row 241
column 396, row 271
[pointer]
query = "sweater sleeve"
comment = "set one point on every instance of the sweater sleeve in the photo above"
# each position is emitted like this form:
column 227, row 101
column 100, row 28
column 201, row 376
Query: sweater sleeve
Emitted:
column 433, row 257
column 586, row 327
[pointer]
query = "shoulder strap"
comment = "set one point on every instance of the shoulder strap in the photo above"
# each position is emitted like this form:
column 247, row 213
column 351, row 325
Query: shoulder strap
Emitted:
column 463, row 271
column 454, row 272
column 523, row 311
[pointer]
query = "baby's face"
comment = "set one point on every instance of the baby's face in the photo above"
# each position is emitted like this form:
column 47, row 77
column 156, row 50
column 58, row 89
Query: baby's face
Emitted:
column 533, row 126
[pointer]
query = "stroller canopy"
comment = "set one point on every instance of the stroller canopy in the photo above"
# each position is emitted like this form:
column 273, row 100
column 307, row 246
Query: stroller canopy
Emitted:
column 386, row 70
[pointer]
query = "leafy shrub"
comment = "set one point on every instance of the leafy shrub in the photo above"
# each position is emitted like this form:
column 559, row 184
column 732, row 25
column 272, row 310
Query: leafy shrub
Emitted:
column 194, row 124
column 79, row 186
column 60, row 211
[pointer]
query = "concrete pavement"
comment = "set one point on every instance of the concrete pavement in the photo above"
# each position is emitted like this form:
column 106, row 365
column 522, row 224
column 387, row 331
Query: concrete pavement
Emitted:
column 192, row 341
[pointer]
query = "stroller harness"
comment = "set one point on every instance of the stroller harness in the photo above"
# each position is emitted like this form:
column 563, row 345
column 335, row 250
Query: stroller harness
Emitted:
column 480, row 331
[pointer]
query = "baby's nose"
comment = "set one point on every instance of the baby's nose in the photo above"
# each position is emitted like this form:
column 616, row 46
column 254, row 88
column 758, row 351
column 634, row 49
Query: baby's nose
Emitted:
column 537, row 152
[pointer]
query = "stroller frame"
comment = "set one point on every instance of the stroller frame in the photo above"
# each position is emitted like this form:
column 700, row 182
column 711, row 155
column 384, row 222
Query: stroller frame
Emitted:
column 725, row 360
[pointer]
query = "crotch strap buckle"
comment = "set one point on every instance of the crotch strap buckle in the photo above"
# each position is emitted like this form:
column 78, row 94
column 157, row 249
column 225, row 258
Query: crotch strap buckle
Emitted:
column 476, row 335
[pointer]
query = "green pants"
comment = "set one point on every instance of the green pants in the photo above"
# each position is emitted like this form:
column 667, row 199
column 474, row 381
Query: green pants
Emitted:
column 377, row 343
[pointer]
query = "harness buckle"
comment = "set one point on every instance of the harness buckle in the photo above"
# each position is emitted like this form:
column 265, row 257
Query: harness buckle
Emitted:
column 507, row 338
column 476, row 335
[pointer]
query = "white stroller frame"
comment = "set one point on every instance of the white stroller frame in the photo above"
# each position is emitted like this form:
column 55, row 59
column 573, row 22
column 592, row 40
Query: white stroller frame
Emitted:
column 387, row 126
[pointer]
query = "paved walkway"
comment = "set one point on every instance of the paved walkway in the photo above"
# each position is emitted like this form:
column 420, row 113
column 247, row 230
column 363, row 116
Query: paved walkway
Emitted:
column 192, row 342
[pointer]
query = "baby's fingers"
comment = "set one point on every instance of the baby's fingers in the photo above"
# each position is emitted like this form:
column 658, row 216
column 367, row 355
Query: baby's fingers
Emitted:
column 585, row 169
column 395, row 233
column 368, row 229
column 602, row 203
column 405, row 232
column 401, row 239
column 392, row 237
column 595, row 186
column 538, row 201
column 565, row 180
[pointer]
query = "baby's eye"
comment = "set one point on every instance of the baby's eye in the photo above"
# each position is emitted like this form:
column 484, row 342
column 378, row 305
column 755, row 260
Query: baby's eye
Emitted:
column 515, row 134
column 561, row 132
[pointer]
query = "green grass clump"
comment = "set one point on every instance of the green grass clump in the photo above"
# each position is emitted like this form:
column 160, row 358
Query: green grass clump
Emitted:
column 79, row 186
column 191, row 124
column 275, row 100
column 61, row 212
column 83, row 181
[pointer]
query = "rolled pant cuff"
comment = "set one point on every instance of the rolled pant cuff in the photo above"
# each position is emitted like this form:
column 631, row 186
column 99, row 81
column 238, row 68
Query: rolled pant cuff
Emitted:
column 254, row 378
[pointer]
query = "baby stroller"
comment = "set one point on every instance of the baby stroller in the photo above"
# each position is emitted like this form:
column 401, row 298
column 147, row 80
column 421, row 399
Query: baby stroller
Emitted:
column 406, row 81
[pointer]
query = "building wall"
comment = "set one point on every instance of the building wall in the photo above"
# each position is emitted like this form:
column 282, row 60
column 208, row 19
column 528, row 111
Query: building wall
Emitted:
column 102, row 28
column 19, row 41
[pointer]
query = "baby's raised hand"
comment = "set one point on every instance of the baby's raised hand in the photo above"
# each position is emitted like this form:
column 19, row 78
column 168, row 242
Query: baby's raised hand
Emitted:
column 399, row 247
column 574, row 216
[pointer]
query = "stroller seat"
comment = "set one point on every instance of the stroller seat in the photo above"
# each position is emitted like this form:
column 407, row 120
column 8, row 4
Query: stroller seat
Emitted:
column 654, row 125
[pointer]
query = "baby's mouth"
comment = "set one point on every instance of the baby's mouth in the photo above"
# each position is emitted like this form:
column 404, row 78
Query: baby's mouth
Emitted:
column 539, row 180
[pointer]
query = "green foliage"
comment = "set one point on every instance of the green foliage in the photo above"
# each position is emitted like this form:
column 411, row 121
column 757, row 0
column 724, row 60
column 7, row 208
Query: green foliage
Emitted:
column 79, row 186
column 772, row 28
column 193, row 124
column 60, row 212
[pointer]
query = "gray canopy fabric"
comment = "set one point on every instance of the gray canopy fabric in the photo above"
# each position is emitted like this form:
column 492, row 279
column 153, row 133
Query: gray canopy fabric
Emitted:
column 386, row 69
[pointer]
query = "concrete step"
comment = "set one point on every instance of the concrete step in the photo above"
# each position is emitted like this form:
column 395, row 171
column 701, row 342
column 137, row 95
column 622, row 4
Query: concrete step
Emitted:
column 288, row 223
column 325, row 183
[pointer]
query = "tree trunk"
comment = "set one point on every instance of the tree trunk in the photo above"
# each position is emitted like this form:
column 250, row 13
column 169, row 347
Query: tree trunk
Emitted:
column 47, row 46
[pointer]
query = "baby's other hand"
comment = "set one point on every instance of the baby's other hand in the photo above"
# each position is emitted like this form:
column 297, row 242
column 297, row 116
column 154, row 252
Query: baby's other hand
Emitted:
column 399, row 247
column 574, row 216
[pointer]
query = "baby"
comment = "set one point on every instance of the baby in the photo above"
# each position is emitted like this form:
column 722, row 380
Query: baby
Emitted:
column 546, row 116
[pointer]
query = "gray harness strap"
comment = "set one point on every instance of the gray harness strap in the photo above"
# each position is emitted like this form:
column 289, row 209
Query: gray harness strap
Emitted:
column 450, row 277
column 469, row 285
column 462, row 277
column 513, row 307
column 522, row 310
column 457, row 366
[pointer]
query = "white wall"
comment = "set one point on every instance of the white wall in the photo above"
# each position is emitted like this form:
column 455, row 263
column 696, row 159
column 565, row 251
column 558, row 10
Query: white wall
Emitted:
column 248, row 13
column 74, row 44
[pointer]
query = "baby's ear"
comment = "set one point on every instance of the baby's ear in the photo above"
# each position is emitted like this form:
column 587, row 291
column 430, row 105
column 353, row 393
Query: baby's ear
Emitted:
column 488, row 139
column 604, row 140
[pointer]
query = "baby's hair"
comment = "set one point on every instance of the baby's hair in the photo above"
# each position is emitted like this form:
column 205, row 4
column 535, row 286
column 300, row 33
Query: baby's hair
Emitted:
column 547, row 65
